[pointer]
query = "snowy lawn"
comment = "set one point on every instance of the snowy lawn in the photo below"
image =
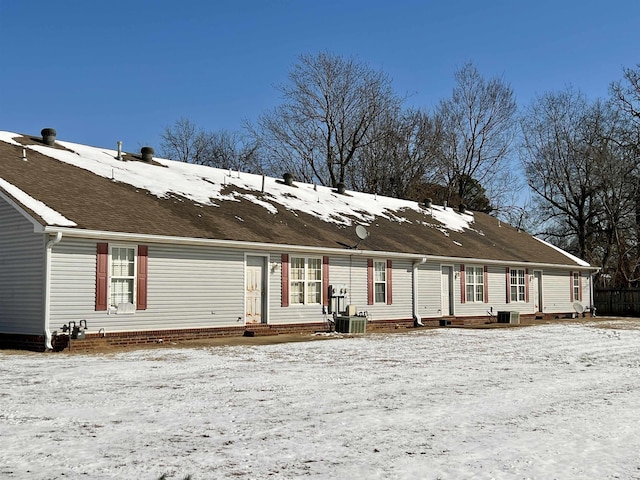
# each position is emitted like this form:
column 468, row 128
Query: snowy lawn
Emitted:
column 551, row 401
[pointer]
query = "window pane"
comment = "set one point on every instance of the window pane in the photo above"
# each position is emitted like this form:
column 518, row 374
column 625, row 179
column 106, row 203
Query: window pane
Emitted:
column 297, row 269
column 380, row 293
column 122, row 264
column 121, row 291
column 314, row 269
column 469, row 275
column 479, row 293
column 297, row 292
column 469, row 293
column 313, row 293
column 380, row 271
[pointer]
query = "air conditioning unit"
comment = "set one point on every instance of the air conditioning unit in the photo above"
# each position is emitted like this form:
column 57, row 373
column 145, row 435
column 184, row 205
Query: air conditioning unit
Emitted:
column 512, row 318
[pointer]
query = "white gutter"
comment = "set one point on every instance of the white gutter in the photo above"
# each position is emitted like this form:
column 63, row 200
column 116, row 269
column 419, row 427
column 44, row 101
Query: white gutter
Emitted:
column 139, row 237
column 47, row 288
column 414, row 281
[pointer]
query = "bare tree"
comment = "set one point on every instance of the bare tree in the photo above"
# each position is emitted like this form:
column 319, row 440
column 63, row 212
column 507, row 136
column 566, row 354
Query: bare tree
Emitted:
column 478, row 129
column 330, row 107
column 400, row 162
column 581, row 176
column 186, row 142
column 626, row 98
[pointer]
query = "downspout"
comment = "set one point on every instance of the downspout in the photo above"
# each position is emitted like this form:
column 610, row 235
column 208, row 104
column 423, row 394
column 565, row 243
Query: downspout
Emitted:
column 414, row 280
column 47, row 289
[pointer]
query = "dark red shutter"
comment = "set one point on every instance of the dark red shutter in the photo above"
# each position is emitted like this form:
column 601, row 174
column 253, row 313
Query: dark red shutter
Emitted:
column 486, row 284
column 463, row 287
column 141, row 281
column 370, row 281
column 285, row 280
column 526, row 285
column 389, row 282
column 507, row 275
column 325, row 281
column 102, row 273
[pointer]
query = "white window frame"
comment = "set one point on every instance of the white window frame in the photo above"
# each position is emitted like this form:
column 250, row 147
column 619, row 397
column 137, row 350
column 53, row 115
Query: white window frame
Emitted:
column 303, row 290
column 380, row 281
column 518, row 285
column 475, row 287
column 113, row 276
column 577, row 286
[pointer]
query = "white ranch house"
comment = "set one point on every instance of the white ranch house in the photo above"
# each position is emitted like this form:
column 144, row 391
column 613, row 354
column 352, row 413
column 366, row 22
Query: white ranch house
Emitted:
column 142, row 249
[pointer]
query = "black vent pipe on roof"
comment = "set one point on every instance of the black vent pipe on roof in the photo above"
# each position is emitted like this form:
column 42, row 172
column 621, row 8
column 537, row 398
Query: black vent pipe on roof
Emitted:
column 147, row 154
column 287, row 177
column 48, row 136
column 341, row 187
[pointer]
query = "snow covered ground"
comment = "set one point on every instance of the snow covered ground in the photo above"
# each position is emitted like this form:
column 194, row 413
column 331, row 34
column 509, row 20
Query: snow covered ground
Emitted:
column 551, row 401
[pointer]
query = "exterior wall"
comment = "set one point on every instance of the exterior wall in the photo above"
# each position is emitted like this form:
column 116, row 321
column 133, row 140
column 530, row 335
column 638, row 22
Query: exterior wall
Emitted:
column 349, row 270
column 188, row 287
column 557, row 288
column 429, row 290
column 21, row 274
column 197, row 287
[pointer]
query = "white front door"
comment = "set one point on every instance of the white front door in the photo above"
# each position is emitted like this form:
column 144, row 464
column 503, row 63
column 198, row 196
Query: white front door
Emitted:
column 254, row 290
column 446, row 292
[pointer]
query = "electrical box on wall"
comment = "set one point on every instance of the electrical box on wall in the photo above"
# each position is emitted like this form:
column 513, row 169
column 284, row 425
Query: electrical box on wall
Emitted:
column 339, row 290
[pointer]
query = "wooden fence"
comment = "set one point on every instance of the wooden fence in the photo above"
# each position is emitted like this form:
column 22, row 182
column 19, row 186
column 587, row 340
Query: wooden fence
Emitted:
column 617, row 301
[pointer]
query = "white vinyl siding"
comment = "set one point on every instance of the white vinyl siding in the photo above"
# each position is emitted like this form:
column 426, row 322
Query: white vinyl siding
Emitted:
column 188, row 287
column 21, row 274
column 429, row 294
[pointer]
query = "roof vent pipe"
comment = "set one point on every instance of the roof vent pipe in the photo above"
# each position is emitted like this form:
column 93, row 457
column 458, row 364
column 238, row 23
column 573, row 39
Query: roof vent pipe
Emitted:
column 427, row 202
column 342, row 188
column 119, row 157
column 147, row 154
column 48, row 136
column 462, row 208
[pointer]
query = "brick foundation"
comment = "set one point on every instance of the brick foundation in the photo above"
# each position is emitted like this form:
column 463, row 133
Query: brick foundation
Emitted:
column 95, row 341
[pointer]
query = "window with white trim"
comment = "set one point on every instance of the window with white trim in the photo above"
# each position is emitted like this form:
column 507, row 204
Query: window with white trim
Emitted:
column 474, row 283
column 123, row 276
column 518, row 285
column 305, row 281
column 380, row 281
column 576, row 286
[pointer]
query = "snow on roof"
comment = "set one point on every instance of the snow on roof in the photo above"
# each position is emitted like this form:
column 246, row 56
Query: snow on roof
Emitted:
column 579, row 261
column 47, row 214
column 205, row 185
column 8, row 137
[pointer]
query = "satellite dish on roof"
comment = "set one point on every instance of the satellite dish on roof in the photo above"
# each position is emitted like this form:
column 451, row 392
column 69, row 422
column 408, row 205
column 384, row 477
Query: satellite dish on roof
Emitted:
column 362, row 232
column 578, row 307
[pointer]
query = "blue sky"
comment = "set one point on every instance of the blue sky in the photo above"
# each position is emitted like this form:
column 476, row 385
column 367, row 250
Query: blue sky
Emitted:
column 99, row 72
